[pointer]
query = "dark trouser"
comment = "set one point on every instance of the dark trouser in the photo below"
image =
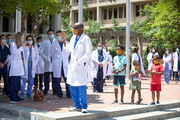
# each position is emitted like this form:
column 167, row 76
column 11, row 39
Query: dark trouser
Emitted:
column 57, row 86
column 14, row 88
column 176, row 76
column 98, row 82
column 40, row 76
column 4, row 72
column 46, row 81
column 67, row 86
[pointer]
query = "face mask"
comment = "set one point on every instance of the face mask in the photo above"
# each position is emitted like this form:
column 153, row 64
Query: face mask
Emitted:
column 75, row 31
column 9, row 40
column 51, row 36
column 177, row 50
column 3, row 41
column 38, row 43
column 167, row 52
column 137, row 67
column 22, row 40
column 30, row 42
column 99, row 48
column 153, row 50
column 156, row 62
column 118, row 52
column 58, row 37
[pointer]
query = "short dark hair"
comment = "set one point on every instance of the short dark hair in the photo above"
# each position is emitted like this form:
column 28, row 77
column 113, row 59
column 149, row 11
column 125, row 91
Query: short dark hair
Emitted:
column 99, row 43
column 50, row 30
column 58, row 31
column 8, row 35
column 120, row 47
column 38, row 38
column 135, row 61
column 157, row 56
column 1, row 36
column 177, row 46
column 136, row 49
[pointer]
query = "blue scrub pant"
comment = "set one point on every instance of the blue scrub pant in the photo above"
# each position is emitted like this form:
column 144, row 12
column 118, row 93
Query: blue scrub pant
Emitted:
column 79, row 96
column 167, row 73
column 30, row 81
column 14, row 87
column 36, row 81
column 67, row 86
column 46, row 81
column 99, row 81
column 4, row 72
column 176, row 76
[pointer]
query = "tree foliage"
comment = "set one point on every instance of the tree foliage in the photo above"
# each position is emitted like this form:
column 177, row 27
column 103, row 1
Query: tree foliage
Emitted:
column 67, row 28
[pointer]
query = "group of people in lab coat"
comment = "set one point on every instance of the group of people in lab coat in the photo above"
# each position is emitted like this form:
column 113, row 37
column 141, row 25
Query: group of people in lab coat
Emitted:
column 170, row 62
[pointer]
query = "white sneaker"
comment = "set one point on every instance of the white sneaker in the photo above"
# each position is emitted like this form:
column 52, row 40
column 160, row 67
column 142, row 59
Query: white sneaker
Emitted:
column 84, row 110
column 14, row 101
column 74, row 109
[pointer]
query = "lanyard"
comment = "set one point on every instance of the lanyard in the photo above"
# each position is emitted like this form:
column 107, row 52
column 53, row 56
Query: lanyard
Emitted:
column 76, row 40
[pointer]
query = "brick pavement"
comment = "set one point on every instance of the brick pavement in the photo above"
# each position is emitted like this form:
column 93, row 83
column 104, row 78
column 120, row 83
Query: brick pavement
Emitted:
column 100, row 100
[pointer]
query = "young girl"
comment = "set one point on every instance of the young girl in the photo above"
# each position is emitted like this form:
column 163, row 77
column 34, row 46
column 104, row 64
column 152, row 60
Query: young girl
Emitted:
column 135, row 83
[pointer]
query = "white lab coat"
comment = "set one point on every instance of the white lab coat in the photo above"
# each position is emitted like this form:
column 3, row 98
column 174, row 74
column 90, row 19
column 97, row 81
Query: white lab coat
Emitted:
column 45, row 53
column 96, row 62
column 77, row 70
column 17, row 68
column 35, row 58
column 167, row 59
column 175, row 59
column 135, row 57
column 90, row 70
column 40, row 64
column 58, row 56
column 110, row 60
column 150, row 62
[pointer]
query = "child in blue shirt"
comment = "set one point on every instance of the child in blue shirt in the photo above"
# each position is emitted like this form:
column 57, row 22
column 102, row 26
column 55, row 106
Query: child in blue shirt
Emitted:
column 119, row 73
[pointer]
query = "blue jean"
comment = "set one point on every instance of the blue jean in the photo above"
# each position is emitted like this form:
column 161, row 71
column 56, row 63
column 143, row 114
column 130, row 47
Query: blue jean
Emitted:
column 30, row 81
column 167, row 73
column 14, row 87
column 99, row 81
column 176, row 76
column 79, row 96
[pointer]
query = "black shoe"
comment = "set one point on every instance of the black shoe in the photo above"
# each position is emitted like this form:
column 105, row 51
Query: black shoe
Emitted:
column 20, row 99
column 157, row 103
column 45, row 94
column 153, row 103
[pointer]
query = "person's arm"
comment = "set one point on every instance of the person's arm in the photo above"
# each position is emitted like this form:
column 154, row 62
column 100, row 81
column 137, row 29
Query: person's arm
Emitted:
column 42, row 52
column 94, row 57
column 36, row 55
column 133, row 73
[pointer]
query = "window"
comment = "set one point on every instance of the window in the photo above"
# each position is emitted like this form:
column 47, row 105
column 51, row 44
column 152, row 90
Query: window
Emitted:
column 121, row 12
column 5, row 24
column 137, row 10
column 115, row 12
column 75, row 17
column 110, row 13
column 95, row 15
column 91, row 15
column 29, row 23
column 105, row 14
column 124, row 12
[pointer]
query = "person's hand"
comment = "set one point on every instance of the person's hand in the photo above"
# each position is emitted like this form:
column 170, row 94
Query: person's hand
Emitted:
column 63, row 37
column 107, row 63
column 100, row 64
column 1, row 65
column 153, row 72
column 24, row 43
column 142, row 75
column 117, row 71
column 112, row 70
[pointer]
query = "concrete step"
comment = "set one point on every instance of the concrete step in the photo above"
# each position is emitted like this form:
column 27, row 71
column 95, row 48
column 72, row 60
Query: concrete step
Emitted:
column 5, row 116
column 174, row 118
column 123, row 110
column 155, row 115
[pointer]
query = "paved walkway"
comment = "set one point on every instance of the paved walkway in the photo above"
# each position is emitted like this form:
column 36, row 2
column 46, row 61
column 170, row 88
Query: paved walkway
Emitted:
column 100, row 100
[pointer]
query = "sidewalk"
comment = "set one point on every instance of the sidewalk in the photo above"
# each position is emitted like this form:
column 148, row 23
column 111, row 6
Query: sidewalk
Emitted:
column 100, row 100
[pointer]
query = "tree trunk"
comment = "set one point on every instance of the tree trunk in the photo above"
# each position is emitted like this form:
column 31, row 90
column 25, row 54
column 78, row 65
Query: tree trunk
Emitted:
column 38, row 25
column 23, row 19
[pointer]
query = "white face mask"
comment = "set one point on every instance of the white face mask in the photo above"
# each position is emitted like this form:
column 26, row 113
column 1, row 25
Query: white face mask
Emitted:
column 153, row 50
column 3, row 41
column 30, row 42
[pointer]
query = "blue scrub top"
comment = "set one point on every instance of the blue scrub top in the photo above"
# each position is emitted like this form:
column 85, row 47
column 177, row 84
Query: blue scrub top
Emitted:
column 100, row 56
column 4, row 52
column 30, row 54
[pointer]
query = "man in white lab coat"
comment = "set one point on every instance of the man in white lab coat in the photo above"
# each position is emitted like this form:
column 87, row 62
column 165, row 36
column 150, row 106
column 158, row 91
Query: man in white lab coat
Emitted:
column 45, row 53
column 60, row 64
column 39, row 67
column 176, row 66
column 99, row 58
column 80, row 49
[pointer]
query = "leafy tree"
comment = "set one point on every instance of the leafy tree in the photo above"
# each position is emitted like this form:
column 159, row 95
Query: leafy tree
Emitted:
column 40, row 8
column 67, row 27
column 116, row 25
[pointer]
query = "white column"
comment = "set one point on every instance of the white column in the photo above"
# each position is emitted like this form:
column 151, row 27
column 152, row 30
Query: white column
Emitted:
column 18, row 21
column 98, row 12
column 80, row 11
column 57, row 22
column 11, row 23
column 128, row 38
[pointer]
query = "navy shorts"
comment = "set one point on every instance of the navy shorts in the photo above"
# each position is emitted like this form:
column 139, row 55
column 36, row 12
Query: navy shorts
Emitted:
column 119, row 80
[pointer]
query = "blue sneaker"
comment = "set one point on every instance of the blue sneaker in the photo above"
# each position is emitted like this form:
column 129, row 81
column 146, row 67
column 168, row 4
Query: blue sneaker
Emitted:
column 22, row 96
column 29, row 96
